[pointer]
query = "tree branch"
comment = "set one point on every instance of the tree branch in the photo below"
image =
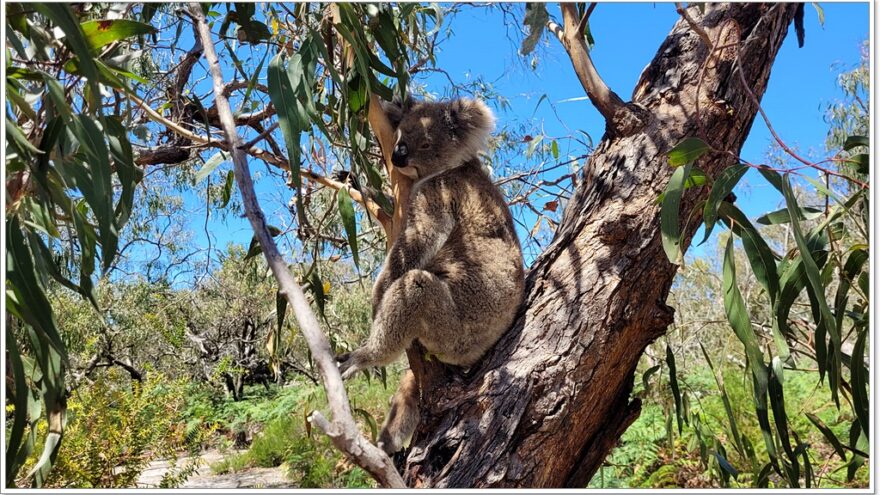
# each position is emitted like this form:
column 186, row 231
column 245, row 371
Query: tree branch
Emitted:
column 345, row 432
column 174, row 154
column 619, row 118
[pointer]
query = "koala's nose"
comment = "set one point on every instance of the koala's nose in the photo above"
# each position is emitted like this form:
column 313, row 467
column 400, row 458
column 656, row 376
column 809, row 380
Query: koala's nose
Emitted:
column 399, row 155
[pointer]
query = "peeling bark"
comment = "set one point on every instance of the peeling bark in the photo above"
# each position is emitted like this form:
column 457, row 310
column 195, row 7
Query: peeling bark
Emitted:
column 546, row 406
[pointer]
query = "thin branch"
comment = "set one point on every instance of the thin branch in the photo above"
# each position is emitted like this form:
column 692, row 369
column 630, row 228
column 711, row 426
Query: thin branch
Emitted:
column 609, row 104
column 162, row 155
column 682, row 10
column 586, row 18
column 345, row 432
column 757, row 103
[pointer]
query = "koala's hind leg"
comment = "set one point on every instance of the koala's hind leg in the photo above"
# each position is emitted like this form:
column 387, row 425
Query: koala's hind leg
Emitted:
column 417, row 301
column 403, row 417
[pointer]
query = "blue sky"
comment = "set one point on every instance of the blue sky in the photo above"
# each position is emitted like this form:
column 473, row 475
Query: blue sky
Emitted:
column 627, row 36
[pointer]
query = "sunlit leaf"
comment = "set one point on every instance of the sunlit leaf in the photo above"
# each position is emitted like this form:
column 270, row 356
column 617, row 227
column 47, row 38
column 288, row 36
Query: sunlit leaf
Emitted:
column 687, row 151
column 669, row 212
column 211, row 164
column 346, row 211
column 99, row 33
column 721, row 189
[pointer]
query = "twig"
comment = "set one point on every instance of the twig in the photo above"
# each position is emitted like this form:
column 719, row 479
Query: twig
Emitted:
column 693, row 24
column 343, row 430
column 757, row 103
column 261, row 136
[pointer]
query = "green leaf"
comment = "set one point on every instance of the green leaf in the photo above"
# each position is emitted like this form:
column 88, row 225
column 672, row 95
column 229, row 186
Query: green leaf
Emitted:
column 669, row 212
column 93, row 180
column 47, row 458
column 554, row 150
column 19, row 102
column 726, row 465
column 128, row 173
column 536, row 19
column 210, row 165
column 289, row 119
column 533, row 145
column 646, row 377
column 226, row 194
column 857, row 439
column 14, row 134
column 346, row 211
column 813, row 277
column 697, row 178
column 725, row 399
column 829, row 435
column 862, row 162
column 763, row 478
column 851, row 269
column 371, row 422
column 33, row 306
column 280, row 312
column 254, row 248
column 771, row 176
column 780, row 419
column 687, row 151
column 820, row 12
column 859, row 374
column 317, row 288
column 673, row 383
column 783, row 216
column 56, row 94
column 738, row 316
column 19, row 397
column 721, row 189
column 63, row 17
column 99, row 33
column 760, row 257
column 856, row 141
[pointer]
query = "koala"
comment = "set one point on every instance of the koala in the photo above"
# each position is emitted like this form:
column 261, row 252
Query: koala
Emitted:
column 453, row 280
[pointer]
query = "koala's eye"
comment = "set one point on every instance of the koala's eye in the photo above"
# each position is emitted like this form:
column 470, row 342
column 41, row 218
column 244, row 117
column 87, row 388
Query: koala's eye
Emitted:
column 425, row 146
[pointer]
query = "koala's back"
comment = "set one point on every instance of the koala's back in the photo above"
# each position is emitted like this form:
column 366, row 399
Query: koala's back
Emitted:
column 481, row 261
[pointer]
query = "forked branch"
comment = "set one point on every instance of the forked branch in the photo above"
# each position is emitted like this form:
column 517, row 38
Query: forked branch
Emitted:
column 342, row 429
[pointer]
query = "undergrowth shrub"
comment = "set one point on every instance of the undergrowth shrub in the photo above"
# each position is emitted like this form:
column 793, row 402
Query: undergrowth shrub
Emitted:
column 116, row 427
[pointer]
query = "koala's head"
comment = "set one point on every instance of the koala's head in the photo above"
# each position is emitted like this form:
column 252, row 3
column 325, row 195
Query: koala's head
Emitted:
column 434, row 137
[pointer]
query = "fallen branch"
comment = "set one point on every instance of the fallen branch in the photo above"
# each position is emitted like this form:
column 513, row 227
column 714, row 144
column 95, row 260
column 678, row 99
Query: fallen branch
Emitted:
column 343, row 429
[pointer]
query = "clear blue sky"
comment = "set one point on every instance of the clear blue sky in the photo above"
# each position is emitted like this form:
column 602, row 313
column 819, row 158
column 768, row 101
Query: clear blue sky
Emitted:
column 627, row 36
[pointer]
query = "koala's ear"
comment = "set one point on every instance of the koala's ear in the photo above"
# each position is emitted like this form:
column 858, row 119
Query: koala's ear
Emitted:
column 470, row 118
column 397, row 108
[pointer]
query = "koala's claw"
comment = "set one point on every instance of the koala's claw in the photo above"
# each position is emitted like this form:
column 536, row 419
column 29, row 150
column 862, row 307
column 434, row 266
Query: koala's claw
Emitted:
column 349, row 372
column 347, row 365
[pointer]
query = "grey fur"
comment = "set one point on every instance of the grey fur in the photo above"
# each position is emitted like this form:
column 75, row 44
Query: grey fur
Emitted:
column 453, row 279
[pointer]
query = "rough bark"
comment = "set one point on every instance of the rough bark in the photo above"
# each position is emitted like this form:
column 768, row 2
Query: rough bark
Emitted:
column 551, row 400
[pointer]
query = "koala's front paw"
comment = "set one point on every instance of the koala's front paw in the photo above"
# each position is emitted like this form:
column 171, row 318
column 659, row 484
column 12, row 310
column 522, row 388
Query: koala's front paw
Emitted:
column 349, row 364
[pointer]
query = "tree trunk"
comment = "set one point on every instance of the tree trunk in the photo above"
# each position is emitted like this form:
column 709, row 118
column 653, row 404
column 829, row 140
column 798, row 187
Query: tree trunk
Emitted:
column 550, row 401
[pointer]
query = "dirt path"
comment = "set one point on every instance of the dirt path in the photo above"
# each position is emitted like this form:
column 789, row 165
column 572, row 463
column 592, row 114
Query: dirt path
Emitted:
column 204, row 478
